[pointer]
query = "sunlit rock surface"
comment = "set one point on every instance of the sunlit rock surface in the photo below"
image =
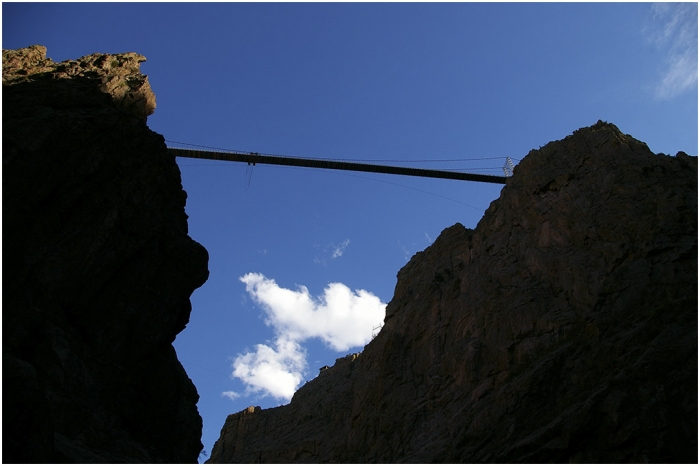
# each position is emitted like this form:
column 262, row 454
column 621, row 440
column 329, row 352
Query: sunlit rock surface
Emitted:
column 562, row 329
column 97, row 268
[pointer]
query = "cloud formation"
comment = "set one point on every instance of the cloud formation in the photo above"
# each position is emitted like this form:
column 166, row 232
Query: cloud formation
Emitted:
column 330, row 251
column 276, row 372
column 340, row 249
column 674, row 30
column 341, row 318
column 231, row 395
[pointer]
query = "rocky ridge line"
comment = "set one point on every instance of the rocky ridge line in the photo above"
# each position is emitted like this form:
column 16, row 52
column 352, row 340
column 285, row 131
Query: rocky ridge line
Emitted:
column 563, row 328
column 98, row 268
column 115, row 76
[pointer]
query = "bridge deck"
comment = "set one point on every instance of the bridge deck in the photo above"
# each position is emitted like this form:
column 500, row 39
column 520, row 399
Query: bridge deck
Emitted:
column 254, row 158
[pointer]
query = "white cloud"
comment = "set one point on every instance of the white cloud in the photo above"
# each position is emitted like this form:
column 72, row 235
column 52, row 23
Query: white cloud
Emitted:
column 330, row 251
column 406, row 253
column 230, row 395
column 673, row 29
column 340, row 249
column 340, row 317
column 273, row 371
column 682, row 75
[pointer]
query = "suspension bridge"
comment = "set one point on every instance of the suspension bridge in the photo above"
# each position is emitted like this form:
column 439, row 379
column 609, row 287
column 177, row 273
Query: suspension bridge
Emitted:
column 253, row 158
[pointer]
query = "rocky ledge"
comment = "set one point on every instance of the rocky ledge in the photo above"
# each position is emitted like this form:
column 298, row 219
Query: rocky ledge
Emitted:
column 563, row 328
column 97, row 268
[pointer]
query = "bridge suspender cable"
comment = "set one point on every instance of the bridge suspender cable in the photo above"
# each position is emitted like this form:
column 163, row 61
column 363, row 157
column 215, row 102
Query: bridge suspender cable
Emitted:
column 255, row 158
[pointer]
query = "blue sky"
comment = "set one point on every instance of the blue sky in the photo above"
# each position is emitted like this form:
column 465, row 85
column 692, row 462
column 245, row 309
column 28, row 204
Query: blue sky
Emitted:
column 303, row 260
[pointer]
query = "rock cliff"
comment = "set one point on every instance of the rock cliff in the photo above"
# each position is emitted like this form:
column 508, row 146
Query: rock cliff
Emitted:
column 563, row 328
column 97, row 268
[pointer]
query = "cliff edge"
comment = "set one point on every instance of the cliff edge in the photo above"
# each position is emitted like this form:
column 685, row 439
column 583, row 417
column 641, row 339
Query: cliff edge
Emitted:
column 563, row 328
column 97, row 268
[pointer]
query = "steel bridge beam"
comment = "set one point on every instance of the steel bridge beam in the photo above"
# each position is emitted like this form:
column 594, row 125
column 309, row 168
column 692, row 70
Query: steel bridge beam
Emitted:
column 255, row 158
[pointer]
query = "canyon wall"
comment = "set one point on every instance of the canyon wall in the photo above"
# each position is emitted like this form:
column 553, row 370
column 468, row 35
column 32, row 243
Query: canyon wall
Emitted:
column 97, row 268
column 563, row 328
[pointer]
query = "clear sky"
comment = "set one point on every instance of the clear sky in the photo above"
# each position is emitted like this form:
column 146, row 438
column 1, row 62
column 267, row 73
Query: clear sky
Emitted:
column 304, row 260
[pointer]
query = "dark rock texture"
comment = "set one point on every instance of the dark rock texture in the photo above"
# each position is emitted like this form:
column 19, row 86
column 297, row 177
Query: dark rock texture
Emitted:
column 97, row 268
column 562, row 329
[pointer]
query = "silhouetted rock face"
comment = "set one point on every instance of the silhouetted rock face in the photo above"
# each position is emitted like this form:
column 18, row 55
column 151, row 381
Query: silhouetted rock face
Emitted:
column 97, row 268
column 562, row 329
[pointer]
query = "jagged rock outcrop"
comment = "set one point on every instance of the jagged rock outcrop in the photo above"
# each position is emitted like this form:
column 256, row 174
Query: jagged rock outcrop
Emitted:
column 97, row 268
column 562, row 329
column 100, row 79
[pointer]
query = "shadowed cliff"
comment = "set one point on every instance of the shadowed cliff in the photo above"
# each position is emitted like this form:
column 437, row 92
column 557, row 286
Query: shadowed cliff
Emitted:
column 97, row 268
column 562, row 329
